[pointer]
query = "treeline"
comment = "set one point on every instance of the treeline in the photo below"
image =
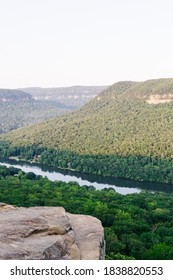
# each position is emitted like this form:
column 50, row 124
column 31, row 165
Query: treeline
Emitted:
column 141, row 168
column 138, row 226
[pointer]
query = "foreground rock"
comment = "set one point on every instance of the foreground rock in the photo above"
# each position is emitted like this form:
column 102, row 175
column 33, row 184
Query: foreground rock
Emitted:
column 49, row 233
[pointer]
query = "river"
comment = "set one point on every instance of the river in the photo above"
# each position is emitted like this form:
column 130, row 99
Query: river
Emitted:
column 121, row 186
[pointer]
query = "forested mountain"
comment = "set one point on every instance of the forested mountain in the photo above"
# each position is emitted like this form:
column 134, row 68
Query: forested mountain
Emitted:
column 126, row 131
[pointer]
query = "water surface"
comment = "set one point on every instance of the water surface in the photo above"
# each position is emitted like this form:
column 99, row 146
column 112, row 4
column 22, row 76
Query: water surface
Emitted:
column 121, row 186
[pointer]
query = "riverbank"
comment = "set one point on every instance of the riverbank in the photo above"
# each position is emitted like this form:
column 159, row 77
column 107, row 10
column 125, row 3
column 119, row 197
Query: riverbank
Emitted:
column 122, row 186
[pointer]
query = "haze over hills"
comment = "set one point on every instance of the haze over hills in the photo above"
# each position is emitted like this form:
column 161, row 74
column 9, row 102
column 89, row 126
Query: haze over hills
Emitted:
column 131, row 120
column 74, row 96
column 19, row 108
column 13, row 95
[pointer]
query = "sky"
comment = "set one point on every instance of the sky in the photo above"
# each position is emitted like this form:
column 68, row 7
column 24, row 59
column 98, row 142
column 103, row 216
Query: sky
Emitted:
column 53, row 43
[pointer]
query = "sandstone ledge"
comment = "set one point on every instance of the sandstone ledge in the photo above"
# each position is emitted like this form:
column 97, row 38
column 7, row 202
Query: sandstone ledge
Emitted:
column 49, row 233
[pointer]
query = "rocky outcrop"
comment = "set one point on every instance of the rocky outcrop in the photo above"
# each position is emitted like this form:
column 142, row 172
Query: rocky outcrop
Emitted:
column 49, row 233
column 160, row 98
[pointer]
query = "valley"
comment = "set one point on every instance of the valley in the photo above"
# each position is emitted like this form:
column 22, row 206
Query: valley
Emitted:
column 116, row 134
column 111, row 158
column 121, row 186
column 22, row 107
column 73, row 96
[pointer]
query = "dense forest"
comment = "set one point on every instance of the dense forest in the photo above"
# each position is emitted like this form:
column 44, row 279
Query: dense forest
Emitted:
column 124, row 132
column 137, row 226
column 141, row 168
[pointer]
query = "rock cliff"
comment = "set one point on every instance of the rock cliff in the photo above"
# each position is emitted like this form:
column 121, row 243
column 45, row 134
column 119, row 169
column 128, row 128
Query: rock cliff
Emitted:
column 49, row 233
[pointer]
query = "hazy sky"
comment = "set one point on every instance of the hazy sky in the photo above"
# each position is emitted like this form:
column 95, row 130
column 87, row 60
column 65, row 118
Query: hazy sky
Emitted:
column 53, row 43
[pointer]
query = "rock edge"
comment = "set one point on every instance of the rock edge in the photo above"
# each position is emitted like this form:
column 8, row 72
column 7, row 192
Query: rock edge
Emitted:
column 49, row 233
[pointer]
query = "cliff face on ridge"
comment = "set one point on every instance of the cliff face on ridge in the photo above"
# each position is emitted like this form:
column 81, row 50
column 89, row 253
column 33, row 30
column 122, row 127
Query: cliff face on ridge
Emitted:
column 49, row 233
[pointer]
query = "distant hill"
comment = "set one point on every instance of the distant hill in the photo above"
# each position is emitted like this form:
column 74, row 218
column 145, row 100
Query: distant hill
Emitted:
column 74, row 96
column 130, row 120
column 19, row 108
column 13, row 95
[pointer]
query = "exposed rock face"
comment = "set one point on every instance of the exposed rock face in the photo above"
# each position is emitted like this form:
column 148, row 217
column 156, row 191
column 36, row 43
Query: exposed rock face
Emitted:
column 49, row 233
column 160, row 98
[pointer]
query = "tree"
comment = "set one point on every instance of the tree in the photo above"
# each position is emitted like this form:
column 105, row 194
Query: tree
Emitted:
column 159, row 251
